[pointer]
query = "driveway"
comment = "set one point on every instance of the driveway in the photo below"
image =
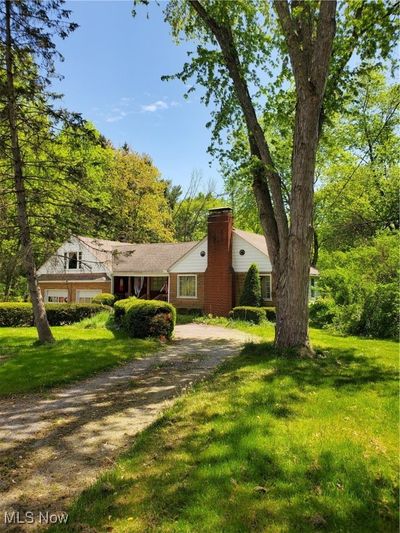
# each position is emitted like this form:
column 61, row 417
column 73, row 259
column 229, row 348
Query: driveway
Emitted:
column 54, row 445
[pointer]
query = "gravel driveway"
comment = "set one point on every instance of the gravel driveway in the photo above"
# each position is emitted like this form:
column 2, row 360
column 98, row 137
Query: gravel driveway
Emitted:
column 54, row 445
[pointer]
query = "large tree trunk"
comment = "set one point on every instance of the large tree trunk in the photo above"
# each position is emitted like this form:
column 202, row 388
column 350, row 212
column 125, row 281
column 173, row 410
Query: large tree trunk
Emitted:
column 293, row 280
column 28, row 260
column 289, row 246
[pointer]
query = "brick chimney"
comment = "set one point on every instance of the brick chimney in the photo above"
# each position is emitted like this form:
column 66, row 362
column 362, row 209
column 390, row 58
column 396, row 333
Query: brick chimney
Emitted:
column 218, row 282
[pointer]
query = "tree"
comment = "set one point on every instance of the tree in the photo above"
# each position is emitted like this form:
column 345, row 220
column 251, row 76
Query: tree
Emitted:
column 190, row 213
column 27, row 29
column 251, row 294
column 139, row 205
column 358, row 167
column 240, row 45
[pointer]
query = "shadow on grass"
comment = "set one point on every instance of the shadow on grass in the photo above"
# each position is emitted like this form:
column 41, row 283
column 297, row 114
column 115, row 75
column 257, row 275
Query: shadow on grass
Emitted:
column 227, row 459
column 332, row 367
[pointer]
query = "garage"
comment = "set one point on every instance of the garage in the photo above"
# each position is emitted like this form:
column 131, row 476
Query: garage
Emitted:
column 85, row 296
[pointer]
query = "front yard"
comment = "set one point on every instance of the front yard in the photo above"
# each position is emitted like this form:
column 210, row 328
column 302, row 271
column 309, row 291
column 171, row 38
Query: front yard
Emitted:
column 81, row 350
column 268, row 444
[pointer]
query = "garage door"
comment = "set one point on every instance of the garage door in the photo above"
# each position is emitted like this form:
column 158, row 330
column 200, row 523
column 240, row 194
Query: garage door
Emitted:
column 86, row 296
column 56, row 295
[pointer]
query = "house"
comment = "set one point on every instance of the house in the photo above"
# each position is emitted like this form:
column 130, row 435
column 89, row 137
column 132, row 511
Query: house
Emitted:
column 206, row 275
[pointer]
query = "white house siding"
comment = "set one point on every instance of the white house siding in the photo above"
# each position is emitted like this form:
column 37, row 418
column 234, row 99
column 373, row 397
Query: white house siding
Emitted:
column 192, row 261
column 55, row 265
column 241, row 263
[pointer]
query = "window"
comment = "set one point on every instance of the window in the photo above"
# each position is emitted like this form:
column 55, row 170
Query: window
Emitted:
column 72, row 260
column 187, row 286
column 266, row 290
column 86, row 296
column 158, row 284
column 313, row 293
column 57, row 296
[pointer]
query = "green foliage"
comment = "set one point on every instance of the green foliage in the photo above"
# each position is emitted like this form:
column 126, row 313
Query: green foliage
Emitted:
column 251, row 294
column 380, row 313
column 270, row 313
column 322, row 311
column 121, row 306
column 145, row 318
column 360, row 293
column 248, row 313
column 257, row 315
column 104, row 298
column 107, row 193
column 358, row 166
column 190, row 213
column 17, row 314
column 139, row 210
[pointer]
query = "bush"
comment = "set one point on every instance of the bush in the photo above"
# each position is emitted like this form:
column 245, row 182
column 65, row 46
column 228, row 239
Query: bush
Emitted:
column 104, row 298
column 380, row 313
column 248, row 313
column 120, row 307
column 322, row 312
column 362, row 282
column 270, row 313
column 251, row 295
column 17, row 314
column 14, row 314
column 62, row 314
column 145, row 318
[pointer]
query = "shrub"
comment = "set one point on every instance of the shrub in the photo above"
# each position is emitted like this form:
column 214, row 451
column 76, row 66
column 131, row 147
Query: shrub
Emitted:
column 362, row 282
column 270, row 313
column 248, row 313
column 104, row 298
column 16, row 314
column 120, row 307
column 251, row 295
column 380, row 313
column 145, row 318
column 322, row 312
column 62, row 314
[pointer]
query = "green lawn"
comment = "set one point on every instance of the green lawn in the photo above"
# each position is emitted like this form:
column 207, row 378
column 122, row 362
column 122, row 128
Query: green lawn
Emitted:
column 268, row 444
column 81, row 350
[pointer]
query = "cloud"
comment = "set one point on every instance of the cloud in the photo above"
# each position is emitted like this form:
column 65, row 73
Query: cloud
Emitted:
column 117, row 115
column 155, row 106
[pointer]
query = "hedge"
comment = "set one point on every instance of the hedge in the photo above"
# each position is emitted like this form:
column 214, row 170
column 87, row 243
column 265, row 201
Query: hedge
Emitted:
column 253, row 314
column 270, row 313
column 246, row 312
column 104, row 298
column 17, row 314
column 145, row 318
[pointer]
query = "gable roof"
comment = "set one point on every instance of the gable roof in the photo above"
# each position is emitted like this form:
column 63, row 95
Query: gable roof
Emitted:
column 122, row 257
column 152, row 257
column 258, row 241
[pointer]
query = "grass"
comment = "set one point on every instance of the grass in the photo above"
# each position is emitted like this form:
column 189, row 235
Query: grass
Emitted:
column 81, row 350
column 267, row 444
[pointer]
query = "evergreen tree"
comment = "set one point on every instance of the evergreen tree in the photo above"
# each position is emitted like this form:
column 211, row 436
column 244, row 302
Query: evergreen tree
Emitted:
column 251, row 294
column 27, row 59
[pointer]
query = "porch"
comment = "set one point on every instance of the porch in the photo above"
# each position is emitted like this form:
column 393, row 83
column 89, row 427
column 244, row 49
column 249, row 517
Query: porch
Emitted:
column 145, row 287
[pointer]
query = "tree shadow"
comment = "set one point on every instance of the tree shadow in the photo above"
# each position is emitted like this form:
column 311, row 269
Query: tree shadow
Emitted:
column 216, row 464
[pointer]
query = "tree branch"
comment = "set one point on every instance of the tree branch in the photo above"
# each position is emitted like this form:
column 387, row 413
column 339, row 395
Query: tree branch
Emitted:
column 224, row 37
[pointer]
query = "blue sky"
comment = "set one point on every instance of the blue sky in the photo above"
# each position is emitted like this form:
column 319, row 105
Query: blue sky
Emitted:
column 112, row 70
